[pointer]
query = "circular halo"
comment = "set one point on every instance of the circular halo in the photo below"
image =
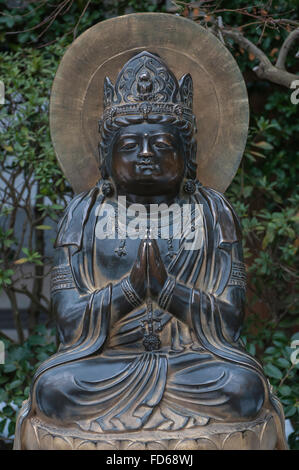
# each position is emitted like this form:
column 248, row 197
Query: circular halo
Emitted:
column 220, row 98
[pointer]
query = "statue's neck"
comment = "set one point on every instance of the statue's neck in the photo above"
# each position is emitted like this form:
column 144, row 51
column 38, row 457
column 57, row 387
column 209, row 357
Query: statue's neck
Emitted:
column 147, row 200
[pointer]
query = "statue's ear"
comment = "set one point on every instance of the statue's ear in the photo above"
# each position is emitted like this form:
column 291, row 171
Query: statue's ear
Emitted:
column 108, row 92
column 186, row 90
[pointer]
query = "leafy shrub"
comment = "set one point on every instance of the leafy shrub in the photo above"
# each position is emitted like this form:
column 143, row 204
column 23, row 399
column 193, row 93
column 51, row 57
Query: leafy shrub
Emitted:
column 265, row 196
column 33, row 191
column 16, row 374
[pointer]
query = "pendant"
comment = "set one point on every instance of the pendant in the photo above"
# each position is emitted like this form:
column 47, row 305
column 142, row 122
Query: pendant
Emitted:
column 121, row 250
column 151, row 342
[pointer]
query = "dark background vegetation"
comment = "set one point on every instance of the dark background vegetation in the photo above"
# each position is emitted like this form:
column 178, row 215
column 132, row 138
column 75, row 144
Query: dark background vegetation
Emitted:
column 33, row 37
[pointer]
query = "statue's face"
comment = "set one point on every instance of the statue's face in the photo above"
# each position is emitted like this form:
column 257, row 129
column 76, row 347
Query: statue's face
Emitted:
column 148, row 159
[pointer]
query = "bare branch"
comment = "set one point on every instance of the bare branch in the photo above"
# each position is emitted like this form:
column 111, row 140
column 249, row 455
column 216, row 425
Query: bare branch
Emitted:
column 280, row 63
column 34, row 298
column 262, row 17
column 45, row 20
column 42, row 3
column 80, row 18
column 265, row 70
column 286, row 22
column 16, row 314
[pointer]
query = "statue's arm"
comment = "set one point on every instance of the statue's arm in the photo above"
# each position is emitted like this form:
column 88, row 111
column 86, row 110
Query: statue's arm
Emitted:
column 179, row 304
column 230, row 302
column 69, row 305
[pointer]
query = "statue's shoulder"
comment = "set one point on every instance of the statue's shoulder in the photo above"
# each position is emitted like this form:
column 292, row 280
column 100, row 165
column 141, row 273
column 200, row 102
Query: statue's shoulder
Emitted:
column 75, row 216
column 223, row 213
column 217, row 199
column 215, row 196
column 78, row 202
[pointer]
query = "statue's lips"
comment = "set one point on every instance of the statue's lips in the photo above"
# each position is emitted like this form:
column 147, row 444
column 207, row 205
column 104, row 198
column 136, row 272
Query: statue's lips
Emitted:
column 147, row 167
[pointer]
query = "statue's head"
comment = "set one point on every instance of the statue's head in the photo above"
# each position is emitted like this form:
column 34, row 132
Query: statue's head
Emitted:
column 147, row 128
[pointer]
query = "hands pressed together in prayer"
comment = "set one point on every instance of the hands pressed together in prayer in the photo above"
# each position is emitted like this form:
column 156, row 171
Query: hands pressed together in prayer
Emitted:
column 149, row 280
column 148, row 274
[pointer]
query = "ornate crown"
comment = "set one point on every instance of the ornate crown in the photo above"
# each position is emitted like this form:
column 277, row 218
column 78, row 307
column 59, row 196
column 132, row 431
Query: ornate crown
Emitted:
column 146, row 86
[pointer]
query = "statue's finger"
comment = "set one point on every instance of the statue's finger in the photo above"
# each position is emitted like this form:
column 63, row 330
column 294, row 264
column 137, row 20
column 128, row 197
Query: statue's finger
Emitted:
column 157, row 253
column 143, row 252
column 151, row 252
column 141, row 248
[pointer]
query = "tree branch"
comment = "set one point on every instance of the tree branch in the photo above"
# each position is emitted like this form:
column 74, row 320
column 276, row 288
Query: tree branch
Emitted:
column 265, row 70
column 16, row 314
column 280, row 63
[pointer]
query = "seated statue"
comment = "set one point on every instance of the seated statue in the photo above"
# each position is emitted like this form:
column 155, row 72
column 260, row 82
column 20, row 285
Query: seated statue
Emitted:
column 149, row 325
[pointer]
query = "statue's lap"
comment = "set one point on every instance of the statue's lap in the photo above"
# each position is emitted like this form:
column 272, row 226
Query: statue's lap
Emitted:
column 194, row 382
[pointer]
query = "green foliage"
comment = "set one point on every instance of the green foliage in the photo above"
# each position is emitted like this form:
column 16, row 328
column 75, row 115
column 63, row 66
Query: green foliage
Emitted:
column 25, row 143
column 264, row 193
column 32, row 186
column 27, row 25
column 5, row 276
column 16, row 374
column 281, row 365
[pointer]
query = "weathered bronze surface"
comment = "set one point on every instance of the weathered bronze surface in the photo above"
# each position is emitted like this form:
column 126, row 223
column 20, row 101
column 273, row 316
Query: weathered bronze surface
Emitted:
column 150, row 355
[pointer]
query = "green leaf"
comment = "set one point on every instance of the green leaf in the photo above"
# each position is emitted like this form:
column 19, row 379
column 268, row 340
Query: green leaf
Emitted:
column 280, row 335
column 271, row 350
column 11, row 428
column 273, row 371
column 251, row 349
column 8, row 411
column 282, row 362
column 257, row 154
column 263, row 145
column 290, row 411
column 36, row 340
column 285, row 390
column 3, row 395
column 44, row 227
column 21, row 261
column 295, row 336
column 14, row 384
column 2, row 425
column 9, row 367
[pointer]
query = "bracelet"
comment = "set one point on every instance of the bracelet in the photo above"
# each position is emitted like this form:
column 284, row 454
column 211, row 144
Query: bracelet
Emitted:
column 166, row 293
column 130, row 293
column 61, row 278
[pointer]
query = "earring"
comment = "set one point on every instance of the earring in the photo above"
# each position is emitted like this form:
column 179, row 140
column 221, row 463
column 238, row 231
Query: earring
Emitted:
column 107, row 188
column 189, row 187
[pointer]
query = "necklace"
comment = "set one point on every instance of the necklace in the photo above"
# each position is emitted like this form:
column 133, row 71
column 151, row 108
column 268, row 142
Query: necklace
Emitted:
column 121, row 228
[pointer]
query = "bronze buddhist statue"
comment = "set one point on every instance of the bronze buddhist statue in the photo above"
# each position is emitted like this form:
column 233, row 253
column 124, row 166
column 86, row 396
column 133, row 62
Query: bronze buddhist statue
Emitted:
column 149, row 328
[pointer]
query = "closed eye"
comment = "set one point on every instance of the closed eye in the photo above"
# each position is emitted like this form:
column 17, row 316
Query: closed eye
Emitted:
column 162, row 145
column 129, row 146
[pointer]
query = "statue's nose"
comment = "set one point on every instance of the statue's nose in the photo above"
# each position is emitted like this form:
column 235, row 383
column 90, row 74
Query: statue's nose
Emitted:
column 145, row 151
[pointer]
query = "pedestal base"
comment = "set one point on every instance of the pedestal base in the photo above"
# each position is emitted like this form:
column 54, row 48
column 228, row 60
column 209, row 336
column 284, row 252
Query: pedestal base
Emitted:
column 259, row 434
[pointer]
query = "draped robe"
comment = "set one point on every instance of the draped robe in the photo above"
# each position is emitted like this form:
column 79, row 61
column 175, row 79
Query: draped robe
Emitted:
column 101, row 379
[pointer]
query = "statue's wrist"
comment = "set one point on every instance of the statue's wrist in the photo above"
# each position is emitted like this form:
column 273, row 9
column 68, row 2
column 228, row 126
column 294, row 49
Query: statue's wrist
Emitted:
column 166, row 293
column 120, row 303
column 177, row 297
column 132, row 297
